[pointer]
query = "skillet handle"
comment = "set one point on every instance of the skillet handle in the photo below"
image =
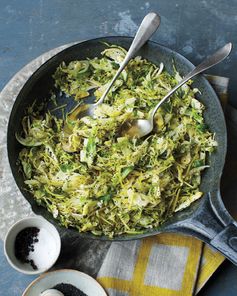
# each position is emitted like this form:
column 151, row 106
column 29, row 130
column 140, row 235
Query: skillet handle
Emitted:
column 214, row 225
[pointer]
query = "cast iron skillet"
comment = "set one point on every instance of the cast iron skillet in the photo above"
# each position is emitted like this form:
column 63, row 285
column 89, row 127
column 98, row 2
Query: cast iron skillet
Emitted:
column 207, row 218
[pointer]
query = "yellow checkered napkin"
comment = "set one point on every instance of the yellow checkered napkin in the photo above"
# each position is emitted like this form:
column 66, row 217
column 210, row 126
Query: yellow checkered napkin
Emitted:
column 162, row 265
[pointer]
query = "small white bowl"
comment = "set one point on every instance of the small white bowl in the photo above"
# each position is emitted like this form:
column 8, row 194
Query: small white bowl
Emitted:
column 78, row 279
column 9, row 244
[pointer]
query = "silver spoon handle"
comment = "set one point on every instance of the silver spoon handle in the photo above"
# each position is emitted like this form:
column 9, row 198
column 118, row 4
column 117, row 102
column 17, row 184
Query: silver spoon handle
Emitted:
column 147, row 28
column 214, row 59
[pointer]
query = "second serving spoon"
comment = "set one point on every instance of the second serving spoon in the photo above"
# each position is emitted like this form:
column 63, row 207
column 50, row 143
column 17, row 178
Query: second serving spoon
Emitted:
column 147, row 28
column 139, row 128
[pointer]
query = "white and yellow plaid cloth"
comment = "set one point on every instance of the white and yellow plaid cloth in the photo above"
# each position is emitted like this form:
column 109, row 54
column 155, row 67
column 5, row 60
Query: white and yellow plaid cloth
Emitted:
column 162, row 265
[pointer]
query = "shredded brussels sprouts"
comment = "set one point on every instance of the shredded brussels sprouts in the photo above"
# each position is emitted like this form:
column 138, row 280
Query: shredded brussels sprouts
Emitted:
column 97, row 181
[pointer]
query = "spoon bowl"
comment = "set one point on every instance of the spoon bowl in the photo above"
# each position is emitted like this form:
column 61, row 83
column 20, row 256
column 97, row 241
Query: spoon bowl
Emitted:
column 82, row 111
column 136, row 128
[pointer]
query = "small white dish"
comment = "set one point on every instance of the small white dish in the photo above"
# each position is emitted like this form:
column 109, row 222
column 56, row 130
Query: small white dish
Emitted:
column 51, row 236
column 80, row 280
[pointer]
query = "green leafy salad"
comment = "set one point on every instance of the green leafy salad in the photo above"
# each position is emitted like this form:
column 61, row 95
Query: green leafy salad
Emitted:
column 98, row 181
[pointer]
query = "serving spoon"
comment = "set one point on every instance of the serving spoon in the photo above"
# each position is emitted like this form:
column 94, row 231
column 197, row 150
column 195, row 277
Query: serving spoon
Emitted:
column 147, row 28
column 139, row 128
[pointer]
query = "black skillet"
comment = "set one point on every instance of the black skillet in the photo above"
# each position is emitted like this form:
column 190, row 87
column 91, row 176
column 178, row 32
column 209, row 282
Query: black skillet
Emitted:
column 207, row 218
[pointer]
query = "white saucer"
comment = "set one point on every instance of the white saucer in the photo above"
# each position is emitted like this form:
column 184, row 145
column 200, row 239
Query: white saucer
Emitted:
column 80, row 280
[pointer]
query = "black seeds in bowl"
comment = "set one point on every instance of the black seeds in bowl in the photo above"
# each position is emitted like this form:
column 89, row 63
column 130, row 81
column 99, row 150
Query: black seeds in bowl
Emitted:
column 69, row 290
column 24, row 244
